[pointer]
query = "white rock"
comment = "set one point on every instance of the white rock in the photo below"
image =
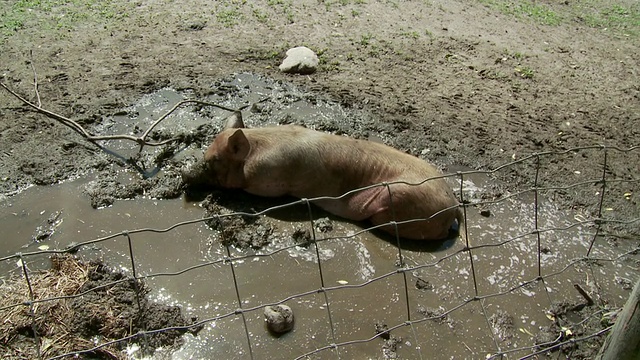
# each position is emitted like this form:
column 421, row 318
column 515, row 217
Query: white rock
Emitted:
column 300, row 60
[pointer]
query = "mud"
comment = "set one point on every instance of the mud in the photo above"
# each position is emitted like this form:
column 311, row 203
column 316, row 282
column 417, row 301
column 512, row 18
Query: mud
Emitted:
column 502, row 324
column 348, row 256
column 564, row 313
column 442, row 80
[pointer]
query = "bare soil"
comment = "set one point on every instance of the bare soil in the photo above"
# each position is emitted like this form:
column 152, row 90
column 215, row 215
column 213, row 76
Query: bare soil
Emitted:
column 474, row 85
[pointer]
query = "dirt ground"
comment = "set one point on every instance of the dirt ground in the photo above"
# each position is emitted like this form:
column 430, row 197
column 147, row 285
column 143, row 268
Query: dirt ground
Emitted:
column 479, row 83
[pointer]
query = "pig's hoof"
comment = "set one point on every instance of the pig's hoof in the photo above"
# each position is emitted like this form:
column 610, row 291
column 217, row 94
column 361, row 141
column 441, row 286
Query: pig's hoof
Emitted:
column 279, row 318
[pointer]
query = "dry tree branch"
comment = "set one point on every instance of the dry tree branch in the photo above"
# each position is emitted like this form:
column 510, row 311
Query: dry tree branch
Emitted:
column 141, row 140
column 65, row 121
column 35, row 78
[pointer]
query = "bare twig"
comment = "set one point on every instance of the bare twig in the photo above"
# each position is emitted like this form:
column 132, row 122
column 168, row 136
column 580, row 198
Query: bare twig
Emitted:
column 65, row 121
column 584, row 294
column 35, row 78
column 141, row 140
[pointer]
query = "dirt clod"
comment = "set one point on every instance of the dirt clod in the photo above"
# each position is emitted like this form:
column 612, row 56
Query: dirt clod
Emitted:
column 502, row 324
column 279, row 318
column 302, row 237
column 237, row 230
column 423, row 284
column 324, row 225
column 383, row 330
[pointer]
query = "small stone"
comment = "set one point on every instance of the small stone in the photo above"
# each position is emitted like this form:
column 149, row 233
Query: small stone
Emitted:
column 279, row 318
column 423, row 285
column 300, row 60
column 485, row 212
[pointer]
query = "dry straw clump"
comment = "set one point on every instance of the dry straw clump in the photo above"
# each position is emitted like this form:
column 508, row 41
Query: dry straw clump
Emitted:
column 107, row 310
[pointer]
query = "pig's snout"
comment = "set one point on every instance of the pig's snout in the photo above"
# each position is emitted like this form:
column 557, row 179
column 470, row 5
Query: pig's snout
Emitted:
column 198, row 174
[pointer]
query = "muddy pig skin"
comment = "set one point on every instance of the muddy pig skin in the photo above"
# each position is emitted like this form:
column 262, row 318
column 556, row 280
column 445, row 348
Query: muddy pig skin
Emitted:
column 296, row 161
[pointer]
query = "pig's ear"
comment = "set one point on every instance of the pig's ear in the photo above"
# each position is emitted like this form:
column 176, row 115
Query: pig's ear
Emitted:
column 234, row 121
column 238, row 145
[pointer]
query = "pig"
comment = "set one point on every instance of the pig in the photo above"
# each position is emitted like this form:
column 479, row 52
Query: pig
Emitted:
column 304, row 163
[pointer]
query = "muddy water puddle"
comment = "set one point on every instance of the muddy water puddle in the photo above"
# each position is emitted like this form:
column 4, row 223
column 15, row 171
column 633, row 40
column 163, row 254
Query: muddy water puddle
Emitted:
column 185, row 265
column 209, row 291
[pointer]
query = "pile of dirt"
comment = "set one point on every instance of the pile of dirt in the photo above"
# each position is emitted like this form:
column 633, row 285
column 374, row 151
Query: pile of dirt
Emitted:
column 105, row 190
column 107, row 310
column 240, row 231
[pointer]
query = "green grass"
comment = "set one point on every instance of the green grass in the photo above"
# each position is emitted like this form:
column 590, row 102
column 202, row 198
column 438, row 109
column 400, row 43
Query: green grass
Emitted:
column 365, row 39
column 228, row 17
column 329, row 3
column 410, row 34
column 284, row 7
column 261, row 16
column 525, row 72
column 616, row 16
column 621, row 17
column 539, row 13
column 57, row 14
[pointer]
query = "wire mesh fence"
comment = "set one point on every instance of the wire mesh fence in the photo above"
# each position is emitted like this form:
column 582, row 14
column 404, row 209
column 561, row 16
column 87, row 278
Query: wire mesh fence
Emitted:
column 603, row 242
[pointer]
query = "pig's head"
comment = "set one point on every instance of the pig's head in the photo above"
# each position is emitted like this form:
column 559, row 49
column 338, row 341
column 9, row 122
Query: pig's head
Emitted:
column 224, row 159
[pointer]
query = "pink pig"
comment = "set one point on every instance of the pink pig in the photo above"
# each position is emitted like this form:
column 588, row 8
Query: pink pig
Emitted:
column 296, row 161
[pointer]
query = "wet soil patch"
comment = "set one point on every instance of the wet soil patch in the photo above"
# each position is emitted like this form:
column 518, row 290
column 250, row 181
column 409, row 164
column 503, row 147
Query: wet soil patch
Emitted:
column 572, row 320
column 240, row 231
column 447, row 85
column 105, row 190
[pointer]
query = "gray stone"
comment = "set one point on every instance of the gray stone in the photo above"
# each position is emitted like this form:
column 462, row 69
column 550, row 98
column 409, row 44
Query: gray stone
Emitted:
column 300, row 60
column 279, row 318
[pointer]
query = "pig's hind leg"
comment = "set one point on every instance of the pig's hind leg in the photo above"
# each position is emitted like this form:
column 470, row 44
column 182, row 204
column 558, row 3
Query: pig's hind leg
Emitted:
column 403, row 207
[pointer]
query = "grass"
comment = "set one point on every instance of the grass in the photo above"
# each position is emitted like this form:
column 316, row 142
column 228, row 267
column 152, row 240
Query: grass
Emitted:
column 410, row 34
column 228, row 17
column 625, row 18
column 365, row 39
column 261, row 16
column 617, row 16
column 283, row 6
column 329, row 3
column 539, row 13
column 525, row 72
column 57, row 14
column 230, row 13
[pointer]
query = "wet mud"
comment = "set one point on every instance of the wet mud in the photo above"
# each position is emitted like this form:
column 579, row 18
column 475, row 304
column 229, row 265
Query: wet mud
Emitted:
column 447, row 86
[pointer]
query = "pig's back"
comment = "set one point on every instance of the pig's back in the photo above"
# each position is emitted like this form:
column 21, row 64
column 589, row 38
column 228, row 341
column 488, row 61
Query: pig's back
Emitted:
column 312, row 163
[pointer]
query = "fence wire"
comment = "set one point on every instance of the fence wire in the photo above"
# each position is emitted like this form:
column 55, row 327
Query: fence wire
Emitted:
column 402, row 269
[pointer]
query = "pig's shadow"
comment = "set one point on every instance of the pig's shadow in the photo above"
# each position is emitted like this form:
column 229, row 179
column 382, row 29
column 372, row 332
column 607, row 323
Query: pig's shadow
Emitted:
column 420, row 245
column 285, row 209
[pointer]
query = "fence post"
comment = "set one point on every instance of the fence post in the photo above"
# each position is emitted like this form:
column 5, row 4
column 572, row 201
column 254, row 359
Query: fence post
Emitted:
column 623, row 343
